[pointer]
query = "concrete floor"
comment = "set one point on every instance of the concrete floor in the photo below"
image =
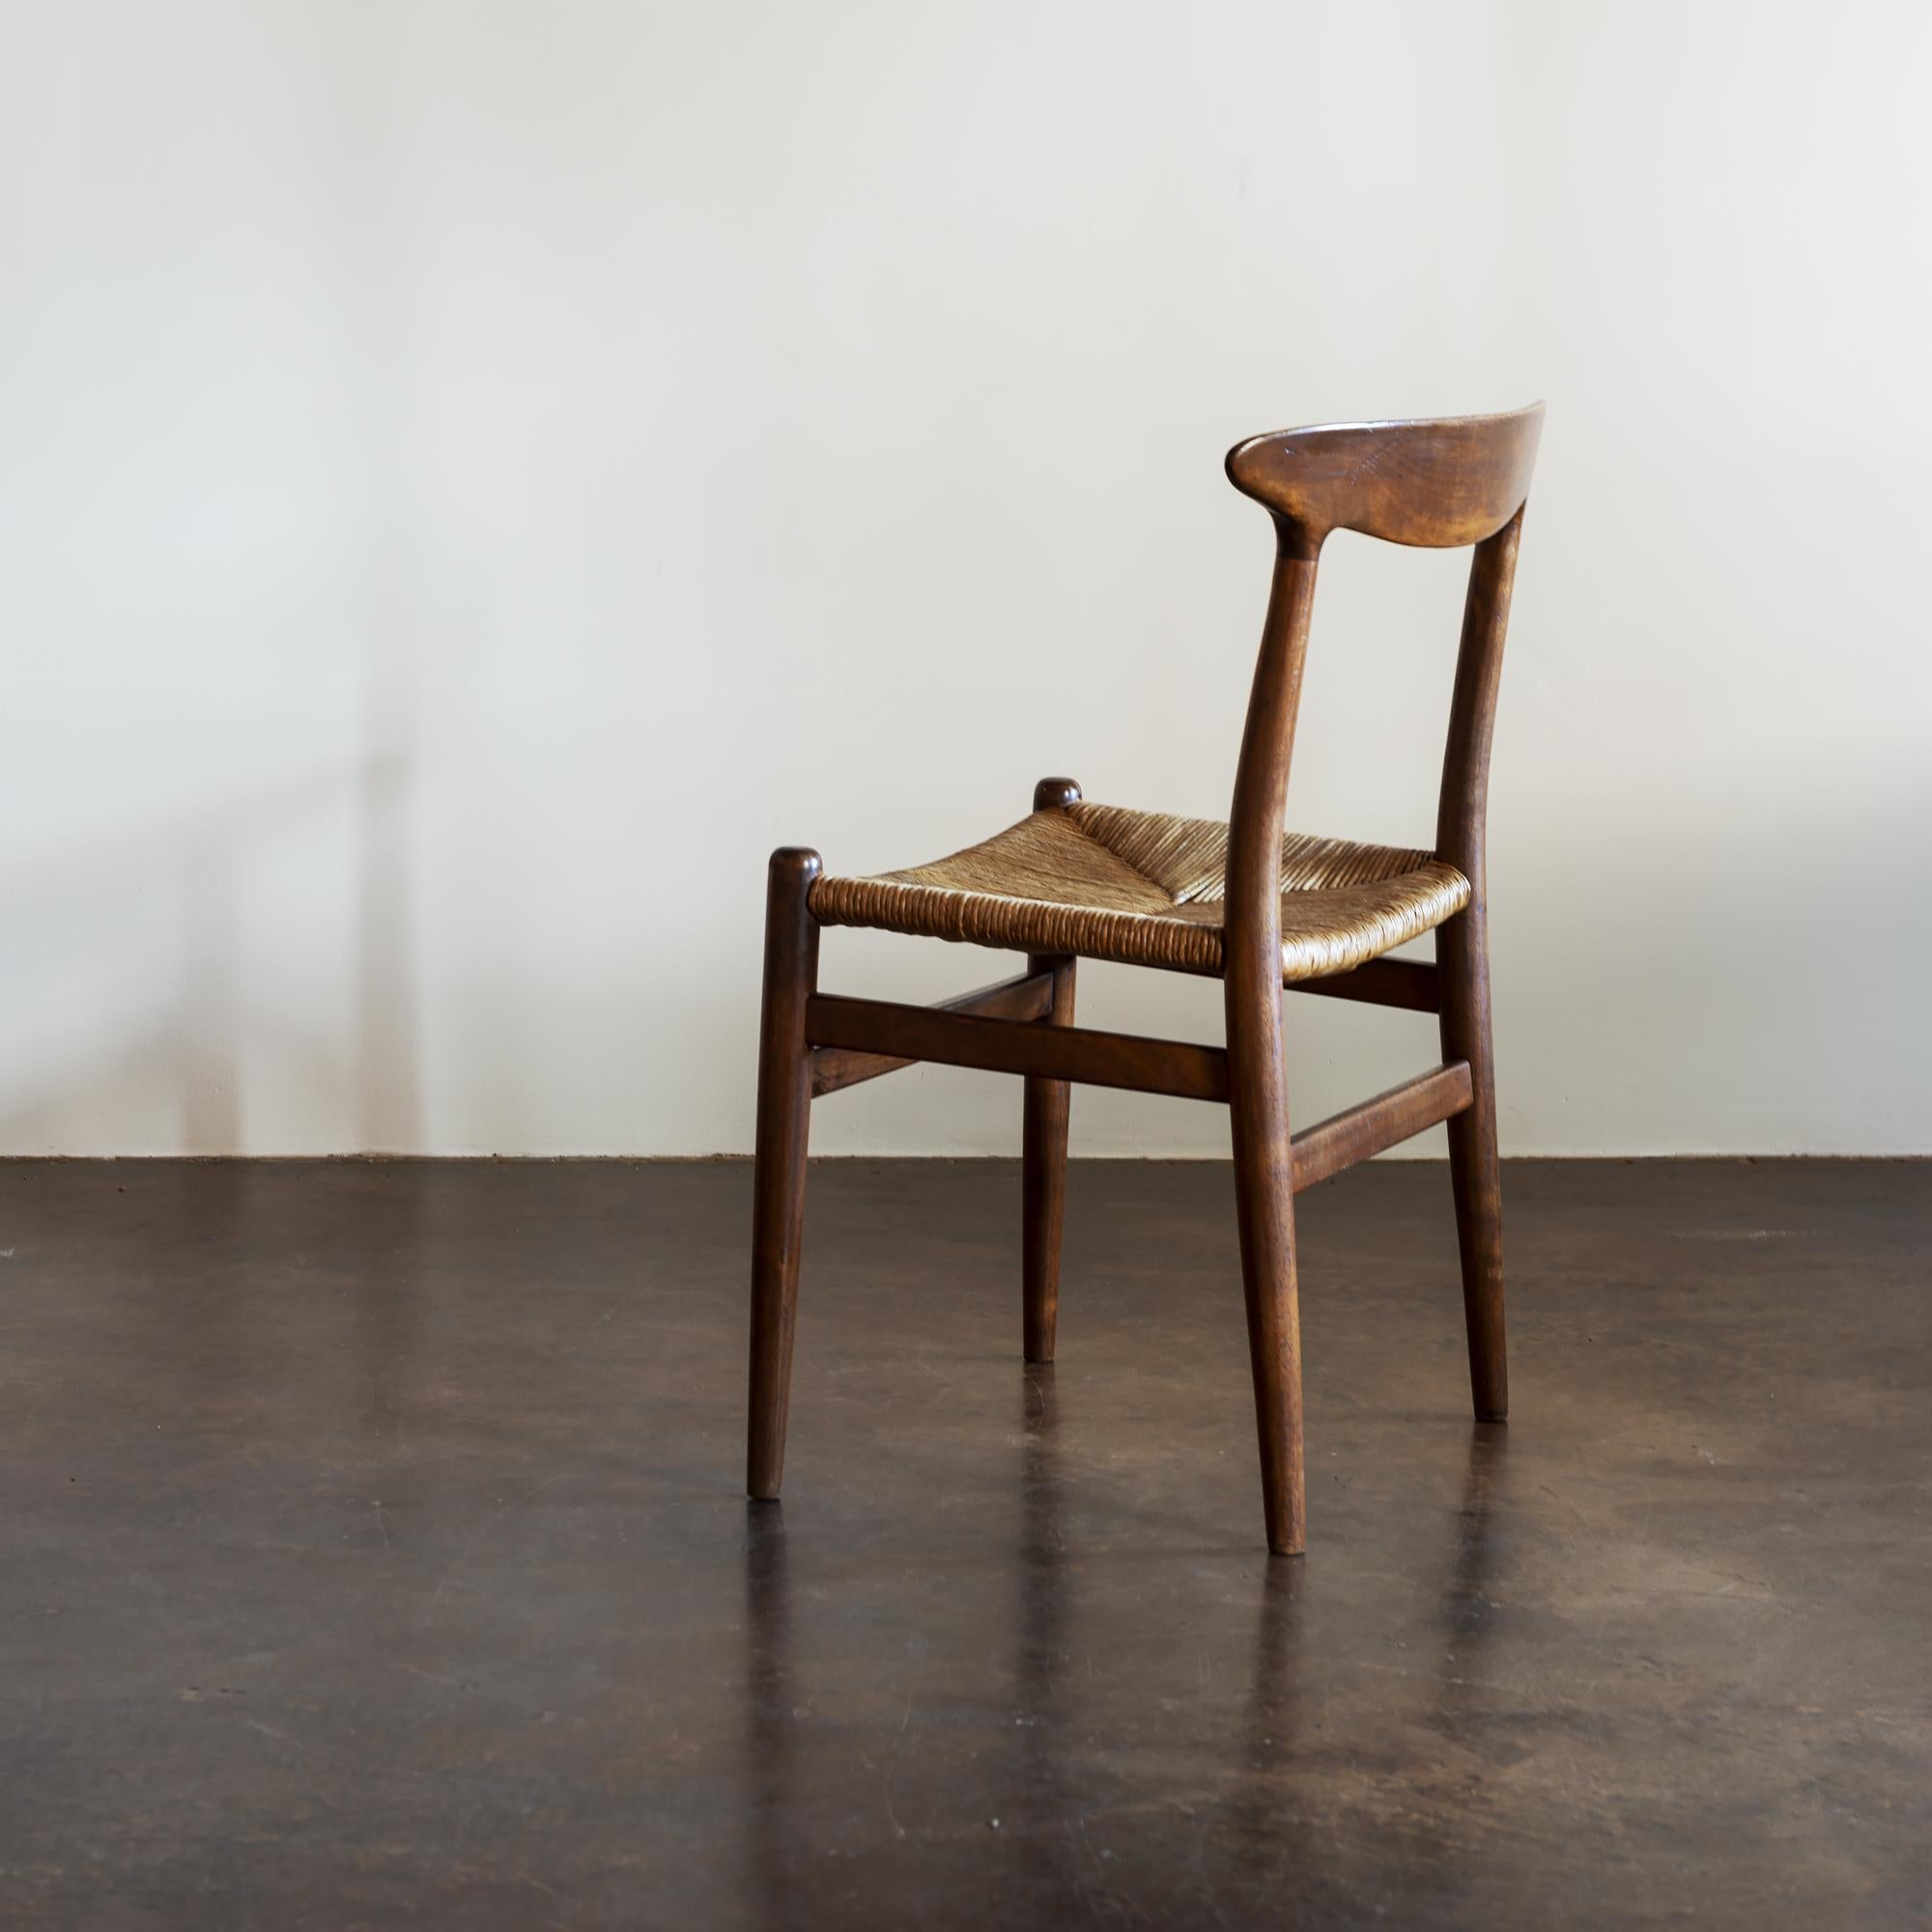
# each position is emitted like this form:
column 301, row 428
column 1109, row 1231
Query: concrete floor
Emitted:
column 372, row 1552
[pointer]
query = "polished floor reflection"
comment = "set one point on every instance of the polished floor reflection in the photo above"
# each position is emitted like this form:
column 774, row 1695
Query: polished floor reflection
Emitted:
column 372, row 1552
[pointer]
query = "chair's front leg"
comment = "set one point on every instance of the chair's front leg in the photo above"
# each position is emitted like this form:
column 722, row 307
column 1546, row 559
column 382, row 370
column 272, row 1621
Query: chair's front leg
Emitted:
column 1463, row 955
column 1264, row 1208
column 778, row 1183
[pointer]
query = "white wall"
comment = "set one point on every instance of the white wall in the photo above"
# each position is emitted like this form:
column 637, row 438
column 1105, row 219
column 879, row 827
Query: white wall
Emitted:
column 476, row 476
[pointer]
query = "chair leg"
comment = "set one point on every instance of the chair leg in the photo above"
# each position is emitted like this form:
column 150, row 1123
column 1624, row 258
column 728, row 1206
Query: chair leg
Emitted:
column 1043, row 1145
column 1462, row 952
column 1264, row 1209
column 1044, row 1178
column 778, row 1183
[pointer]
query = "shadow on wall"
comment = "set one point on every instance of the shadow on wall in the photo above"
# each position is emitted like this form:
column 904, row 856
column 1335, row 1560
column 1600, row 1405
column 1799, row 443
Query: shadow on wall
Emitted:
column 198, row 931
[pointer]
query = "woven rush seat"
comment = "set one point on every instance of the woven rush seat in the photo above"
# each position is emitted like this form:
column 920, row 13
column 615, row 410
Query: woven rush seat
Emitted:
column 1145, row 889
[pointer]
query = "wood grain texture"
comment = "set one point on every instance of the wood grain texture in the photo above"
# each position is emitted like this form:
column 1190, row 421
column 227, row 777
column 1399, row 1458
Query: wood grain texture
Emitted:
column 1027, row 996
column 1256, row 1074
column 1441, row 484
column 777, row 1182
column 1463, row 952
column 1045, row 1112
column 1046, row 1106
column 1361, row 1132
column 1175, row 1066
column 1411, row 983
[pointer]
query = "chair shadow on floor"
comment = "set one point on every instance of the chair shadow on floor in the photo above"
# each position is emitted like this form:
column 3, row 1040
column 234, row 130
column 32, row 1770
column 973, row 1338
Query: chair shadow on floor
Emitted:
column 1252, row 1800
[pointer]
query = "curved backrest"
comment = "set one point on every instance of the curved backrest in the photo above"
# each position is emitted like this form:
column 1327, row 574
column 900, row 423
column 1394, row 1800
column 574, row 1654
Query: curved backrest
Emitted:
column 1437, row 483
column 1457, row 481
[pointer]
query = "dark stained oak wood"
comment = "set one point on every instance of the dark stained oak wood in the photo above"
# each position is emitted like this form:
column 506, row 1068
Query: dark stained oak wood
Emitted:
column 1435, row 483
column 1045, row 1108
column 1361, row 1132
column 1463, row 951
column 1175, row 1066
column 778, row 1184
column 1441, row 484
column 1027, row 996
column 1460, row 481
column 1036, row 995
column 1257, row 1075
column 1413, row 983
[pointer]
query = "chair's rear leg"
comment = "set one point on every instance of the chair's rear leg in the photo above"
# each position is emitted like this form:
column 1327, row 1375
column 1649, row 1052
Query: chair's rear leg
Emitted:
column 1264, row 1209
column 1043, row 1143
column 778, row 1184
column 1463, row 954
column 1043, row 1178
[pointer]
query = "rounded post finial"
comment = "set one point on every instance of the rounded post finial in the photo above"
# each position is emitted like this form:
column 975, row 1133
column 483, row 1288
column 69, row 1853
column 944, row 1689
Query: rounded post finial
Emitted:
column 796, row 864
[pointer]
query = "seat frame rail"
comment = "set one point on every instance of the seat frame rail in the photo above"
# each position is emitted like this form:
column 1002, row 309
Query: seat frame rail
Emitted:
column 995, row 1030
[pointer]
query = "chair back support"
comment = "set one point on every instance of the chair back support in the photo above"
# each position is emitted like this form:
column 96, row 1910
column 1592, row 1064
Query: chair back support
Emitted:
column 1443, row 484
column 1439, row 484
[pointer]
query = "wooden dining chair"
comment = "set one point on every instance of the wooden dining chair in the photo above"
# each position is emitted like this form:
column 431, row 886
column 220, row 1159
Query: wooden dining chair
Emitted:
column 1242, row 901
